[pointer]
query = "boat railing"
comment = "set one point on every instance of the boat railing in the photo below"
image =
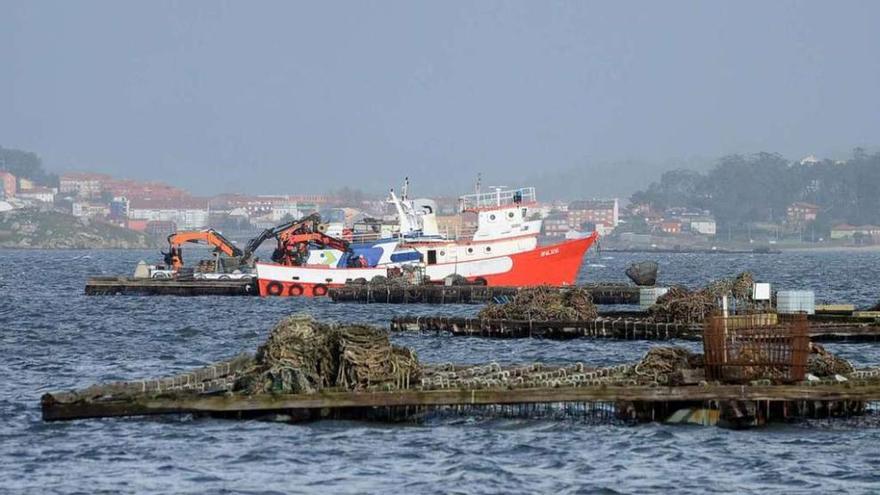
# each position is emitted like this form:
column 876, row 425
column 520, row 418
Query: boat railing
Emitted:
column 497, row 199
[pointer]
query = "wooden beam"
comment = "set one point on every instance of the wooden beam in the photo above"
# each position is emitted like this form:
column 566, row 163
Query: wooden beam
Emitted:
column 122, row 285
column 55, row 410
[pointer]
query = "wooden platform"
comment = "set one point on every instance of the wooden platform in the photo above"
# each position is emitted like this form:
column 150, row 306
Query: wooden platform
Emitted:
column 608, row 327
column 601, row 328
column 146, row 287
column 54, row 410
column 465, row 294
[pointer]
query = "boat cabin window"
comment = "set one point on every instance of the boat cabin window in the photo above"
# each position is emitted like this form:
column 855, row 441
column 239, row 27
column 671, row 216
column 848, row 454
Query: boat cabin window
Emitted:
column 432, row 257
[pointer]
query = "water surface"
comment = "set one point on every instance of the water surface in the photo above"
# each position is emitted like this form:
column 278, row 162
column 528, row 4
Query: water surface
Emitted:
column 54, row 337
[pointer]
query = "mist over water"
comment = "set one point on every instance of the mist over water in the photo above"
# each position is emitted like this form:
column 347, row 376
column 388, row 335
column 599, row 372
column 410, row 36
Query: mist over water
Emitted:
column 56, row 338
column 591, row 98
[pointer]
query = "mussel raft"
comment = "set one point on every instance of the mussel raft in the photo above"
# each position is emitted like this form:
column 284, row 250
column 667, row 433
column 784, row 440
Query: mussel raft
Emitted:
column 308, row 370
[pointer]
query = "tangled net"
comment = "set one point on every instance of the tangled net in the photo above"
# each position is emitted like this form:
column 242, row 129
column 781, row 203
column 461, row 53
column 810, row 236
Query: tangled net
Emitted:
column 303, row 356
column 660, row 366
column 686, row 306
column 822, row 363
column 544, row 303
column 663, row 365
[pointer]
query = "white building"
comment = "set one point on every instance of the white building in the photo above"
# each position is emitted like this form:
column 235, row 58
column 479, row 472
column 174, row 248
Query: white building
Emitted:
column 281, row 210
column 187, row 214
column 702, row 225
column 43, row 194
column 83, row 185
column 89, row 210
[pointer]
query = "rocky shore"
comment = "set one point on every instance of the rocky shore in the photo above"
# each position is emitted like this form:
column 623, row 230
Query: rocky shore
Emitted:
column 48, row 229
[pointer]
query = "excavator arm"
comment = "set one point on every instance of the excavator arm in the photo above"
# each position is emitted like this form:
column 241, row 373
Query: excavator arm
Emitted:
column 293, row 249
column 210, row 237
column 309, row 223
column 319, row 238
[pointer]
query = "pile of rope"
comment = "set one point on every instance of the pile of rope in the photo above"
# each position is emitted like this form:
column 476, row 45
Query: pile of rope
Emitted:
column 660, row 366
column 822, row 363
column 545, row 304
column 682, row 305
column 536, row 375
column 663, row 365
column 302, row 356
column 368, row 359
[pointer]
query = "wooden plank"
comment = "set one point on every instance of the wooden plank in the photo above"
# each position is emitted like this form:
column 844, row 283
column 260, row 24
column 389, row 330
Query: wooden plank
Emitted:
column 866, row 314
column 623, row 328
column 611, row 328
column 465, row 294
column 53, row 410
column 840, row 309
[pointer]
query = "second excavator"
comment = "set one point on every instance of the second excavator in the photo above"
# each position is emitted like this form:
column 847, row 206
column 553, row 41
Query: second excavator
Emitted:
column 293, row 241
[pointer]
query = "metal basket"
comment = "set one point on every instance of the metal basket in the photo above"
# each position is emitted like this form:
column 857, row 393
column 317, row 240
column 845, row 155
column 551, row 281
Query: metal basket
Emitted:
column 743, row 348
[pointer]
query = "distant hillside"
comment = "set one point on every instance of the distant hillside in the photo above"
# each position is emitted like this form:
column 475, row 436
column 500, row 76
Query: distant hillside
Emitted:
column 33, row 228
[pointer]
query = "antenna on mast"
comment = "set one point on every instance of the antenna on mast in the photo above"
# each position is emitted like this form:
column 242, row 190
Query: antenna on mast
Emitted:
column 479, row 180
column 405, row 192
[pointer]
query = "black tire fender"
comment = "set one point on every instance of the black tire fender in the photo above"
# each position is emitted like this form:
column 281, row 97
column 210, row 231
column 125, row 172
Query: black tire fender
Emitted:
column 274, row 288
column 319, row 290
column 295, row 290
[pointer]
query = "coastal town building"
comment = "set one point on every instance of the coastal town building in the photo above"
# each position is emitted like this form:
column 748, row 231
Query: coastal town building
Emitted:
column 24, row 183
column 187, row 214
column 89, row 209
column 800, row 213
column 133, row 189
column 846, row 231
column 672, row 227
column 702, row 225
column 82, row 184
column 160, row 228
column 556, row 225
column 119, row 208
column 604, row 212
column 42, row 194
column 7, row 184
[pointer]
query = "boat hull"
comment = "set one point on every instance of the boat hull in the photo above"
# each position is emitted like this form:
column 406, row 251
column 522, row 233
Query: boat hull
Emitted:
column 556, row 264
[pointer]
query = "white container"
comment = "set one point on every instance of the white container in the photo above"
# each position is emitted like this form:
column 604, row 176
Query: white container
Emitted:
column 648, row 295
column 796, row 301
column 761, row 291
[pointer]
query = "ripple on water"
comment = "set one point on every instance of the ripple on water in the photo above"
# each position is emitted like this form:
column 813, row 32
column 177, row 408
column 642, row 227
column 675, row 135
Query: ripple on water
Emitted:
column 57, row 338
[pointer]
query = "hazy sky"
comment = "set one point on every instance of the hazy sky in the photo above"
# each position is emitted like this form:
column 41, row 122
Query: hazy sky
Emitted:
column 284, row 96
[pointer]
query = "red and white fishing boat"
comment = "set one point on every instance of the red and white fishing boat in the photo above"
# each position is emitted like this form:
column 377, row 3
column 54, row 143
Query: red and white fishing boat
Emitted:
column 503, row 251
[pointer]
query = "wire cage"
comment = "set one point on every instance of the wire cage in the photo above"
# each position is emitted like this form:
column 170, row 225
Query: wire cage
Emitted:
column 743, row 348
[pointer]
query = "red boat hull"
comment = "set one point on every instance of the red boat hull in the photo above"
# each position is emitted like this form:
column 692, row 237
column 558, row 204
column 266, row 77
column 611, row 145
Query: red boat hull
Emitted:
column 556, row 264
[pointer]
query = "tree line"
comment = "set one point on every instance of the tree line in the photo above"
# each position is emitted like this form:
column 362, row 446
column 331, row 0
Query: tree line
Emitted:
column 27, row 165
column 745, row 189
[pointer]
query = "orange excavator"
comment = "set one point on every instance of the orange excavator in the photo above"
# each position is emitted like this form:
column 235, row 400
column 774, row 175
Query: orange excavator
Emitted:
column 293, row 241
column 174, row 256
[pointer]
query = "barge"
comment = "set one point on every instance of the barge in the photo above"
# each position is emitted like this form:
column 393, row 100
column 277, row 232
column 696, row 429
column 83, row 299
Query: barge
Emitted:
column 308, row 371
column 110, row 286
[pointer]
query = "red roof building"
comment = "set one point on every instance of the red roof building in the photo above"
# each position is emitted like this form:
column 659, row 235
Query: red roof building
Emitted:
column 603, row 212
column 800, row 213
column 7, row 181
